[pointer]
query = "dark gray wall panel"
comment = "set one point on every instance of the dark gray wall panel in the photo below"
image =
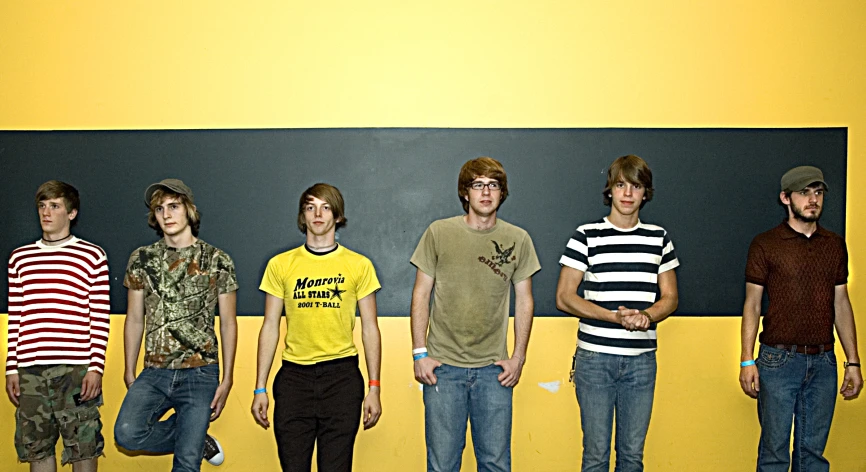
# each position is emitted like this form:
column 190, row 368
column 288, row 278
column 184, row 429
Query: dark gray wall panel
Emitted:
column 716, row 189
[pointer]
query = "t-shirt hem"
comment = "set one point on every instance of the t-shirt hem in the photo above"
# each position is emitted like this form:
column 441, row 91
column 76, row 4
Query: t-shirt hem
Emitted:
column 361, row 295
column 274, row 293
column 157, row 366
column 318, row 360
column 568, row 262
column 229, row 289
column 753, row 280
column 466, row 365
column 427, row 270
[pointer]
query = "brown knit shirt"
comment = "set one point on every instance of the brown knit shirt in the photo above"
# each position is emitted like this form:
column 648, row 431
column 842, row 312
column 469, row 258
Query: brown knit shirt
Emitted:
column 800, row 275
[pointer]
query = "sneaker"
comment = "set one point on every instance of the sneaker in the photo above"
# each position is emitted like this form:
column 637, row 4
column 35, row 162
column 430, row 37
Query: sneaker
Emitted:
column 213, row 451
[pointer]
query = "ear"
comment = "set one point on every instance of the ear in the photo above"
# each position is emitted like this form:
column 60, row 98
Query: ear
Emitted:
column 338, row 220
column 785, row 199
column 72, row 214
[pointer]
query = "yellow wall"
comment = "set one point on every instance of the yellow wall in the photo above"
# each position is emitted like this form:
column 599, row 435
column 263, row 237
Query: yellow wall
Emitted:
column 283, row 64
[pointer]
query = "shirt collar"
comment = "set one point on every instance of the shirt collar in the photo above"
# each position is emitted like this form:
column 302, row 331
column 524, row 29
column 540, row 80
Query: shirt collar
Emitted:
column 789, row 233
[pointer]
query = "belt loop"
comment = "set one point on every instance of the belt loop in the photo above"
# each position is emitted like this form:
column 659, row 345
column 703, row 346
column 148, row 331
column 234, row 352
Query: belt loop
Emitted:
column 794, row 350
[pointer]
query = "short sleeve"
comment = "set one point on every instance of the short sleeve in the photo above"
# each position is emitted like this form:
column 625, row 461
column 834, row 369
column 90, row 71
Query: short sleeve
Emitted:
column 272, row 281
column 528, row 261
column 425, row 257
column 756, row 264
column 227, row 279
column 576, row 254
column 367, row 281
column 134, row 277
column 842, row 270
column 669, row 255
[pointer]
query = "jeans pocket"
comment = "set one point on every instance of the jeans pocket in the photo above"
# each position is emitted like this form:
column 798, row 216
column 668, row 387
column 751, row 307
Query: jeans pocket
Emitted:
column 830, row 358
column 584, row 354
column 207, row 376
column 210, row 371
column 772, row 358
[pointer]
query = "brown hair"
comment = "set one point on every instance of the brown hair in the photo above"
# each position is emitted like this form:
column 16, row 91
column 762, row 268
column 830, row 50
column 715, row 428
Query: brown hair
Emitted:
column 633, row 169
column 481, row 167
column 193, row 216
column 330, row 195
column 57, row 189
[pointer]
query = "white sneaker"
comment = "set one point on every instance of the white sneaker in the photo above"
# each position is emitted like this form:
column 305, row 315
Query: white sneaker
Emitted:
column 213, row 451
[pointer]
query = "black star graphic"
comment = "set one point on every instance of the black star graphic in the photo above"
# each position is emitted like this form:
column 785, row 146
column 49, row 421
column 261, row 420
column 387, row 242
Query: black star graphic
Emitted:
column 336, row 292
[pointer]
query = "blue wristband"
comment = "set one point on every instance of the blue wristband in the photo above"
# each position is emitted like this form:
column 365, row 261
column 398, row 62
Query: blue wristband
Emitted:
column 260, row 390
column 418, row 356
column 747, row 363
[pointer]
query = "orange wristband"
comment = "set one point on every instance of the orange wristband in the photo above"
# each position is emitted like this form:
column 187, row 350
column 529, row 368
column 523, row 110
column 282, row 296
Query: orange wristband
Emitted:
column 374, row 383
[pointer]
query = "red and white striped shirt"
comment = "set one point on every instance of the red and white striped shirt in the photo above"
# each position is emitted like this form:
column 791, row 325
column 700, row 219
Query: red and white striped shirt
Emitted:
column 58, row 305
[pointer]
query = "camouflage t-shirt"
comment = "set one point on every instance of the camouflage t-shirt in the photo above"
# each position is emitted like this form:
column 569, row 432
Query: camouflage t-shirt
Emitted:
column 181, row 288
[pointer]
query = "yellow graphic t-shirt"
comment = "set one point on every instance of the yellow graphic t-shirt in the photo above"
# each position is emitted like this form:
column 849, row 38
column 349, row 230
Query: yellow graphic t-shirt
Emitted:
column 321, row 294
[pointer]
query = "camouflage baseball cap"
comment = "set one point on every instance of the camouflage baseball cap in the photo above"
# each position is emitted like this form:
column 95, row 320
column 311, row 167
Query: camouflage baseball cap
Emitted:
column 175, row 185
column 801, row 177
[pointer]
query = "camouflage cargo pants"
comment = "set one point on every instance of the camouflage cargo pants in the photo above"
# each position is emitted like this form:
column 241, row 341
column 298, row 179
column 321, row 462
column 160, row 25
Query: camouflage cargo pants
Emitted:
column 47, row 410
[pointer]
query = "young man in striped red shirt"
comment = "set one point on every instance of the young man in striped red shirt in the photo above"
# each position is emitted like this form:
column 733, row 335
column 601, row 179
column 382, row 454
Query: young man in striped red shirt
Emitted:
column 629, row 285
column 58, row 331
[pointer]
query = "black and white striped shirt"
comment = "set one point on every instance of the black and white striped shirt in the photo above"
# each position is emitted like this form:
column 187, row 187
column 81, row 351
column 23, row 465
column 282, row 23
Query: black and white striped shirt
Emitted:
column 621, row 268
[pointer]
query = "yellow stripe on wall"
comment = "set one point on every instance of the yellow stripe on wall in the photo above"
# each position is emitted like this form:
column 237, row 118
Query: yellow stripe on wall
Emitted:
column 279, row 64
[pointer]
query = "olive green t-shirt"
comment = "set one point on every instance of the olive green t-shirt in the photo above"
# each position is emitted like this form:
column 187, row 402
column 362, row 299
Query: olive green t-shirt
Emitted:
column 473, row 272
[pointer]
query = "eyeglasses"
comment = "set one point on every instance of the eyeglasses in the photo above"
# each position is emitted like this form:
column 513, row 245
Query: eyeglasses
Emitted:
column 479, row 185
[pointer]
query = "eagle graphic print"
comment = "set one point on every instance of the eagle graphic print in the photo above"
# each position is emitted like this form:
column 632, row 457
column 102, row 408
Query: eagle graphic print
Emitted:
column 503, row 255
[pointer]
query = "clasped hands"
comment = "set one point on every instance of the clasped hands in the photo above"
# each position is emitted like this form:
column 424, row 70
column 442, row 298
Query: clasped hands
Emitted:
column 632, row 320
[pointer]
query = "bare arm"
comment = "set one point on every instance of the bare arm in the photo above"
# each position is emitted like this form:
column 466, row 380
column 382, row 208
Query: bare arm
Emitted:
column 372, row 340
column 852, row 383
column 269, row 336
column 227, row 303
column 749, row 381
column 524, row 307
column 133, row 329
column 420, row 317
column 666, row 304
column 669, row 299
column 569, row 301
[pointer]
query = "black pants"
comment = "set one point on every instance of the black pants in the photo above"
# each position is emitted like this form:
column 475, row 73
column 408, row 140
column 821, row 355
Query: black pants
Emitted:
column 318, row 405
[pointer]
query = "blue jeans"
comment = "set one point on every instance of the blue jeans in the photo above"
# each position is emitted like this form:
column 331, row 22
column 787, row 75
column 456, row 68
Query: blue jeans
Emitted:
column 155, row 391
column 801, row 387
column 475, row 394
column 608, row 385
